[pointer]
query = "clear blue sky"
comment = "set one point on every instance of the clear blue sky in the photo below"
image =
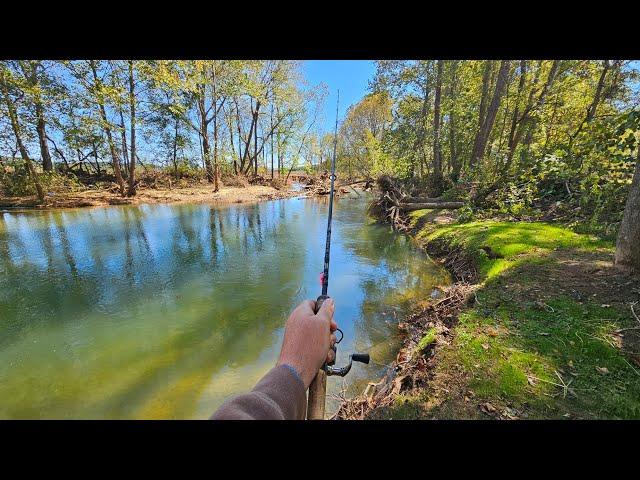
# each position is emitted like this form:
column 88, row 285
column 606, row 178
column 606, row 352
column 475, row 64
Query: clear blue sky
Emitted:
column 350, row 76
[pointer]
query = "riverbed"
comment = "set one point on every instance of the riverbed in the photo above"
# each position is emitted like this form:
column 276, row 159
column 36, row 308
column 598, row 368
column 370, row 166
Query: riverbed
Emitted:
column 164, row 311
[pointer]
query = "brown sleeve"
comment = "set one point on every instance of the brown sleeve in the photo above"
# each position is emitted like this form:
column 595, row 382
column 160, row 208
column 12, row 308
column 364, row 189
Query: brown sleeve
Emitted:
column 279, row 395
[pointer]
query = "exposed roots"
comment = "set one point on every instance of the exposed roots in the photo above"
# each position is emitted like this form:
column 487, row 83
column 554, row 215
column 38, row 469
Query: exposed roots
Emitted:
column 414, row 364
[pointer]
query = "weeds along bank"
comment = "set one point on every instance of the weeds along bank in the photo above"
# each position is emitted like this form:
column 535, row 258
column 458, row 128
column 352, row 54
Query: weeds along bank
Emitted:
column 538, row 325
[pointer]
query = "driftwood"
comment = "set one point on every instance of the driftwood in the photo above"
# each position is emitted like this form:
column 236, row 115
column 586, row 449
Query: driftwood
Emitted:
column 394, row 203
column 421, row 199
column 410, row 207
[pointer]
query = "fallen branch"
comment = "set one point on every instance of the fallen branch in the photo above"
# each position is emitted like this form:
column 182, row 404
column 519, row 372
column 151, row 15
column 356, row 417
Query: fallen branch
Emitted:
column 421, row 199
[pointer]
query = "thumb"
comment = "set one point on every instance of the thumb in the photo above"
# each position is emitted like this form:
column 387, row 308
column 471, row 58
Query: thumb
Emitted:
column 326, row 310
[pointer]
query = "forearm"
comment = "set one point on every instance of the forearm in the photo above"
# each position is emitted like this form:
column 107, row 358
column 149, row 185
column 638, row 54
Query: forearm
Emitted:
column 279, row 395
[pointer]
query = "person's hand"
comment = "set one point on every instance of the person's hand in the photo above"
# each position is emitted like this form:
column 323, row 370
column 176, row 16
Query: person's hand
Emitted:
column 308, row 339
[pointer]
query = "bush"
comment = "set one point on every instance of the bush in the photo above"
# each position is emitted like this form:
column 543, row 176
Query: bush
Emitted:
column 18, row 183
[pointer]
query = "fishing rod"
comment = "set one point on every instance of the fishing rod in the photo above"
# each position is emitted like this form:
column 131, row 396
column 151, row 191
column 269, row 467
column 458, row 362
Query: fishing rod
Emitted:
column 318, row 388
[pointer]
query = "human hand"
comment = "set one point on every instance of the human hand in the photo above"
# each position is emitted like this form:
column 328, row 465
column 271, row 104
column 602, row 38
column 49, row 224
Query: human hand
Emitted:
column 308, row 339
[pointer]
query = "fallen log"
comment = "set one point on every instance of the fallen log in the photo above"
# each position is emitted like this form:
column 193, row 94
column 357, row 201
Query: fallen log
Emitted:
column 421, row 199
column 410, row 207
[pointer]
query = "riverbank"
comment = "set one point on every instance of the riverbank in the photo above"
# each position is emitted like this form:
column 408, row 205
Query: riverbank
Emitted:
column 539, row 325
column 192, row 194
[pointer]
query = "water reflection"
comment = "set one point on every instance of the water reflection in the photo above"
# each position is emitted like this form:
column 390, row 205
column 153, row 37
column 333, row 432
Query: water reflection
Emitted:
column 162, row 311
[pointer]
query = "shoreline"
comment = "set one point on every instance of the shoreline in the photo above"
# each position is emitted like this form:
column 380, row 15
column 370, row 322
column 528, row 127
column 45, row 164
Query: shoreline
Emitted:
column 192, row 194
column 500, row 343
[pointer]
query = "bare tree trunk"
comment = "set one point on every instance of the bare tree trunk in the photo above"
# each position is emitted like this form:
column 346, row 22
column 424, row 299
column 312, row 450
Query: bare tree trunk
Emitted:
column 482, row 137
column 132, row 103
column 628, row 244
column 15, row 126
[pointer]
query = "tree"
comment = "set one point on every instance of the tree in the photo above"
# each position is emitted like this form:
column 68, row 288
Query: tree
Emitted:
column 437, row 184
column 5, row 79
column 628, row 244
column 132, row 106
column 33, row 71
column 487, row 122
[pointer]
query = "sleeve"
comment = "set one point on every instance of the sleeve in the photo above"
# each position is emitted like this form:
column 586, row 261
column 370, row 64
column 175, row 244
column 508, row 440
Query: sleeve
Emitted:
column 279, row 395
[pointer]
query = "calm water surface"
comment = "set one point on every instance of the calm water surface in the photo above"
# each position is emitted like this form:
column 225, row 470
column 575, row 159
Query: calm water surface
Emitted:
column 163, row 311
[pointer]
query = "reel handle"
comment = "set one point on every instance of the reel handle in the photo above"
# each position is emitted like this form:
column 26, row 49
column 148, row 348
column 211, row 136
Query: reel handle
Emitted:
column 360, row 357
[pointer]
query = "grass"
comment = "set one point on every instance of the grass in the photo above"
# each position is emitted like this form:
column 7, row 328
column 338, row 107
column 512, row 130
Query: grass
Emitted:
column 541, row 341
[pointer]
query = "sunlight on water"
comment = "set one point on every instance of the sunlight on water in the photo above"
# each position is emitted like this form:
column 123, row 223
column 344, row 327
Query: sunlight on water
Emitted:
column 163, row 311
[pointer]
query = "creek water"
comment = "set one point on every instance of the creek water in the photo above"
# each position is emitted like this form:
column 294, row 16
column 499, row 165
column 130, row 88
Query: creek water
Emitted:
column 164, row 311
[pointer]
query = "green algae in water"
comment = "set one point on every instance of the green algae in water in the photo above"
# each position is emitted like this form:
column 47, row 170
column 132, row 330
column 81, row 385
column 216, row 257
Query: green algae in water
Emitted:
column 163, row 311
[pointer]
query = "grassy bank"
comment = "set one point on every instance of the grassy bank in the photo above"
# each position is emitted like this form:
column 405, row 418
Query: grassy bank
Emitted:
column 549, row 333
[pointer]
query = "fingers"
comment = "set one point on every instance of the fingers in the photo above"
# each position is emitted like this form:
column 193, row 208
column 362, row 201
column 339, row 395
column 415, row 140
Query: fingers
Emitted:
column 308, row 306
column 331, row 356
column 326, row 310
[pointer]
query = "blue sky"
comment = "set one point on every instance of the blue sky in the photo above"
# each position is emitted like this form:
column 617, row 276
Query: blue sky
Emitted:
column 350, row 76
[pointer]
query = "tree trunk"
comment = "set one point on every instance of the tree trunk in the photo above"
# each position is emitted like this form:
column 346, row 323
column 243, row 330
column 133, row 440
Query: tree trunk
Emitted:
column 125, row 147
column 628, row 244
column 482, row 137
column 30, row 70
column 455, row 163
column 175, row 150
column 132, row 103
column 255, row 142
column 486, row 80
column 272, row 141
column 107, row 129
column 47, row 163
column 437, row 154
column 215, row 129
column 15, row 126
column 598, row 95
column 541, row 101
column 511, row 143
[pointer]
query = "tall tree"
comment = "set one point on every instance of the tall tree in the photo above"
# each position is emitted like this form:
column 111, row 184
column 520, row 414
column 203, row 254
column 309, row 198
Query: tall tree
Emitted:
column 132, row 107
column 33, row 73
column 484, row 132
column 437, row 152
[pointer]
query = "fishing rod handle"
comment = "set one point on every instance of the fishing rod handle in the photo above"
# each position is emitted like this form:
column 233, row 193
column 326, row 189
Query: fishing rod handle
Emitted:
column 318, row 387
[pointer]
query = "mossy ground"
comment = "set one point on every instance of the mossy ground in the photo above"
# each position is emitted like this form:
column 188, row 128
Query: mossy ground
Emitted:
column 551, row 334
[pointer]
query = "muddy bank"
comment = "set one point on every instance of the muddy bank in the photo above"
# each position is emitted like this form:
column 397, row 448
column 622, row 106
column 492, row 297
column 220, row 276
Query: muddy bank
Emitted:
column 190, row 194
